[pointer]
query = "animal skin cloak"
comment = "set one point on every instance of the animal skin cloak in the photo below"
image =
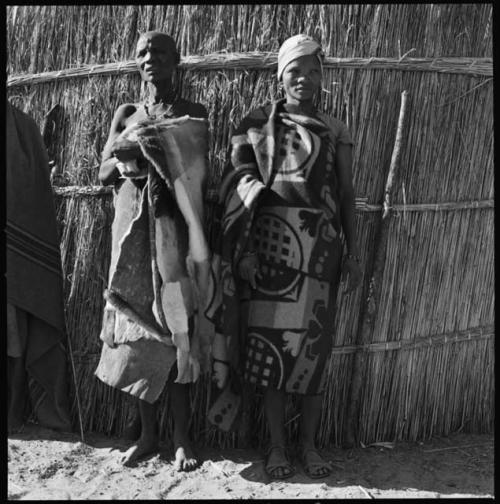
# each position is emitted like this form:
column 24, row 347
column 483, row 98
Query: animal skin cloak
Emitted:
column 159, row 264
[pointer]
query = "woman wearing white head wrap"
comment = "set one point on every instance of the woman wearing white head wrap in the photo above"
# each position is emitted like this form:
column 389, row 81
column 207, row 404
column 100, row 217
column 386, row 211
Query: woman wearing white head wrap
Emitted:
column 287, row 196
column 295, row 47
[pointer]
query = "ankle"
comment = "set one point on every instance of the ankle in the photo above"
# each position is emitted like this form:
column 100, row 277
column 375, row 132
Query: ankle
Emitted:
column 277, row 440
column 150, row 433
column 180, row 439
column 307, row 445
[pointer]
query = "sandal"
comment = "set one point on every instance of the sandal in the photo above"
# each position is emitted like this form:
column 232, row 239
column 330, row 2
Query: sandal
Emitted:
column 286, row 465
column 311, row 467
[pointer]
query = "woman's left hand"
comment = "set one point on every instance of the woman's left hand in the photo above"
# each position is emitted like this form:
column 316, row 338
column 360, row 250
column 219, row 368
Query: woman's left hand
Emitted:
column 126, row 150
column 351, row 271
column 248, row 269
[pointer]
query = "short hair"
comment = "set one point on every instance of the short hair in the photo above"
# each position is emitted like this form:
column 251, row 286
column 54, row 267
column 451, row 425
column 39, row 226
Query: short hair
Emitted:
column 168, row 41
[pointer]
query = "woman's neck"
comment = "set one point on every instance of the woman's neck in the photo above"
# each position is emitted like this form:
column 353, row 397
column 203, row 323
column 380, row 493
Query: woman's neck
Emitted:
column 161, row 92
column 300, row 107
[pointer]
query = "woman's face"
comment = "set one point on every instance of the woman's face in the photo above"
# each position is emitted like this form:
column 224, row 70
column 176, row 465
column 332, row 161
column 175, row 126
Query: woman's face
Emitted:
column 155, row 59
column 302, row 78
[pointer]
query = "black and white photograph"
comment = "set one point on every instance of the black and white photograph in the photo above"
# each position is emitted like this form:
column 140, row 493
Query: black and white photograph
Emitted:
column 249, row 251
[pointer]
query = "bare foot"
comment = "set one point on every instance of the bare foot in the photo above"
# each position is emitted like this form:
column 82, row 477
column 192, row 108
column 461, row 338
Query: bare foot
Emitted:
column 139, row 450
column 185, row 459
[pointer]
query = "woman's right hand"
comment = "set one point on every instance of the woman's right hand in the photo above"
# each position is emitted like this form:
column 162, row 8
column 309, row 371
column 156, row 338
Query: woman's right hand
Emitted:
column 130, row 169
column 248, row 269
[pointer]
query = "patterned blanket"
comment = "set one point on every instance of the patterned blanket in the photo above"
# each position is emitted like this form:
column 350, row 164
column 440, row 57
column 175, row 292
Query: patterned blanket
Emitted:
column 279, row 197
column 160, row 261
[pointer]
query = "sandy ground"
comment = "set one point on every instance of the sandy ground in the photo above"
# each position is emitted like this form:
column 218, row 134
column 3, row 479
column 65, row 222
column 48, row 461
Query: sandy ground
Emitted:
column 43, row 464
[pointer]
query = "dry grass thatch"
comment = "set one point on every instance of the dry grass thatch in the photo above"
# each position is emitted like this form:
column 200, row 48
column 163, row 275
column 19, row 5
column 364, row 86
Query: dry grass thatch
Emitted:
column 426, row 366
column 256, row 60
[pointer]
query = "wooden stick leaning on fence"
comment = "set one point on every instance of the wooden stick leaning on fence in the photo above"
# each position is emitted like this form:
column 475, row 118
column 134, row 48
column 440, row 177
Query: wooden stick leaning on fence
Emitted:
column 68, row 337
column 49, row 132
column 77, row 394
column 369, row 309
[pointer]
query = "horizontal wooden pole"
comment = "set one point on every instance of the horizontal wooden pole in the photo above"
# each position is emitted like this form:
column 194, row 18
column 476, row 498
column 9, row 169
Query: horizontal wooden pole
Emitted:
column 260, row 60
column 361, row 203
column 468, row 335
column 473, row 334
column 82, row 190
column 430, row 207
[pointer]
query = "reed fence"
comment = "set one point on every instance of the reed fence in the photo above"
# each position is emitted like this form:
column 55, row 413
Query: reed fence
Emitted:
column 245, row 61
column 427, row 364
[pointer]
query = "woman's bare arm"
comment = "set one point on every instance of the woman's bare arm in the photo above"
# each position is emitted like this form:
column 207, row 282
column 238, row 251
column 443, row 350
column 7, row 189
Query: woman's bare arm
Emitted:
column 347, row 201
column 113, row 152
column 351, row 270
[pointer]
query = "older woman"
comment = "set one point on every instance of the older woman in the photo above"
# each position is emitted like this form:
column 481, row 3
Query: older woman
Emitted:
column 287, row 196
column 155, row 157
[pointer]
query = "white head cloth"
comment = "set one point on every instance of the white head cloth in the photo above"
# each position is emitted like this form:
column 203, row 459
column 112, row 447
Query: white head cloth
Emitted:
column 295, row 47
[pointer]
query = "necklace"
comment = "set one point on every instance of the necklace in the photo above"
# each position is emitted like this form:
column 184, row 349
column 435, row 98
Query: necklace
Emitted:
column 167, row 113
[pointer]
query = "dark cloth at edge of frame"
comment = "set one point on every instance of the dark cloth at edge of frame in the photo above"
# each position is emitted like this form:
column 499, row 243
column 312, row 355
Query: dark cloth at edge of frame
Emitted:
column 33, row 261
column 45, row 360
